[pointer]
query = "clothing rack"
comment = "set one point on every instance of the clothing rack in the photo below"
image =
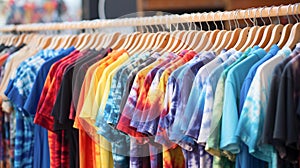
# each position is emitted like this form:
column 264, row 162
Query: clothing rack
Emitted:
column 273, row 11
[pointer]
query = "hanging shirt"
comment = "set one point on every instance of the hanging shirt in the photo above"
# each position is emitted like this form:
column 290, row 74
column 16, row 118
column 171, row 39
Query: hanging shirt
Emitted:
column 180, row 97
column 120, row 142
column 208, row 95
column 153, row 86
column 102, row 90
column 91, row 155
column 124, row 122
column 84, row 91
column 123, row 88
column 138, row 115
column 162, row 136
column 271, row 107
column 58, row 142
column 247, row 82
column 41, row 147
column 230, row 115
column 12, row 64
column 249, row 127
column 86, row 110
column 157, row 93
column 213, row 141
column 80, row 73
column 191, row 113
column 61, row 108
column 190, row 149
column 110, row 101
column 17, row 91
column 43, row 114
column 286, row 127
column 244, row 158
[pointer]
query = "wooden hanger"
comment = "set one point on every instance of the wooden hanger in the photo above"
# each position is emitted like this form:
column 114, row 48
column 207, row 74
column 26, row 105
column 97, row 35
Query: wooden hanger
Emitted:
column 276, row 33
column 260, row 31
column 189, row 38
column 197, row 38
column 27, row 38
column 161, row 40
column 112, row 40
column 90, row 40
column 20, row 39
column 171, row 41
column 286, row 31
column 10, row 41
column 194, row 36
column 47, row 42
column 119, row 42
column 204, row 38
column 79, row 40
column 148, row 42
column 54, row 40
column 220, row 35
column 144, row 40
column 64, row 39
column 226, row 39
column 84, row 42
column 182, row 40
column 58, row 42
column 212, row 37
column 99, row 37
column 267, row 33
column 135, row 43
column 295, row 33
column 36, row 40
column 126, row 40
column 134, row 36
column 178, row 40
column 242, row 36
column 251, row 34
column 71, row 41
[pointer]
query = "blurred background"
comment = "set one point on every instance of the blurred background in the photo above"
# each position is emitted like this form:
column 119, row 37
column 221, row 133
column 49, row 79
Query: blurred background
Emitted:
column 33, row 11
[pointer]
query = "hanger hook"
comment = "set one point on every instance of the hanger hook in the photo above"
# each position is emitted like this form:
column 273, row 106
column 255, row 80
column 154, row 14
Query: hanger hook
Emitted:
column 298, row 19
column 256, row 22
column 147, row 30
column 221, row 18
column 177, row 26
column 235, row 17
column 190, row 24
column 237, row 22
column 270, row 13
column 168, row 23
column 151, row 28
column 278, row 13
column 245, row 18
column 156, row 26
column 254, row 18
column 229, row 22
column 161, row 24
column 200, row 16
column 182, row 24
column 261, row 15
column 207, row 22
column 214, row 14
column 294, row 15
column 287, row 14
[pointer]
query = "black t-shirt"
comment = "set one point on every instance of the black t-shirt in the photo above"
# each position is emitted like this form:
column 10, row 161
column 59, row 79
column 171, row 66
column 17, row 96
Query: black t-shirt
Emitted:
column 286, row 127
column 273, row 97
column 62, row 104
column 79, row 75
